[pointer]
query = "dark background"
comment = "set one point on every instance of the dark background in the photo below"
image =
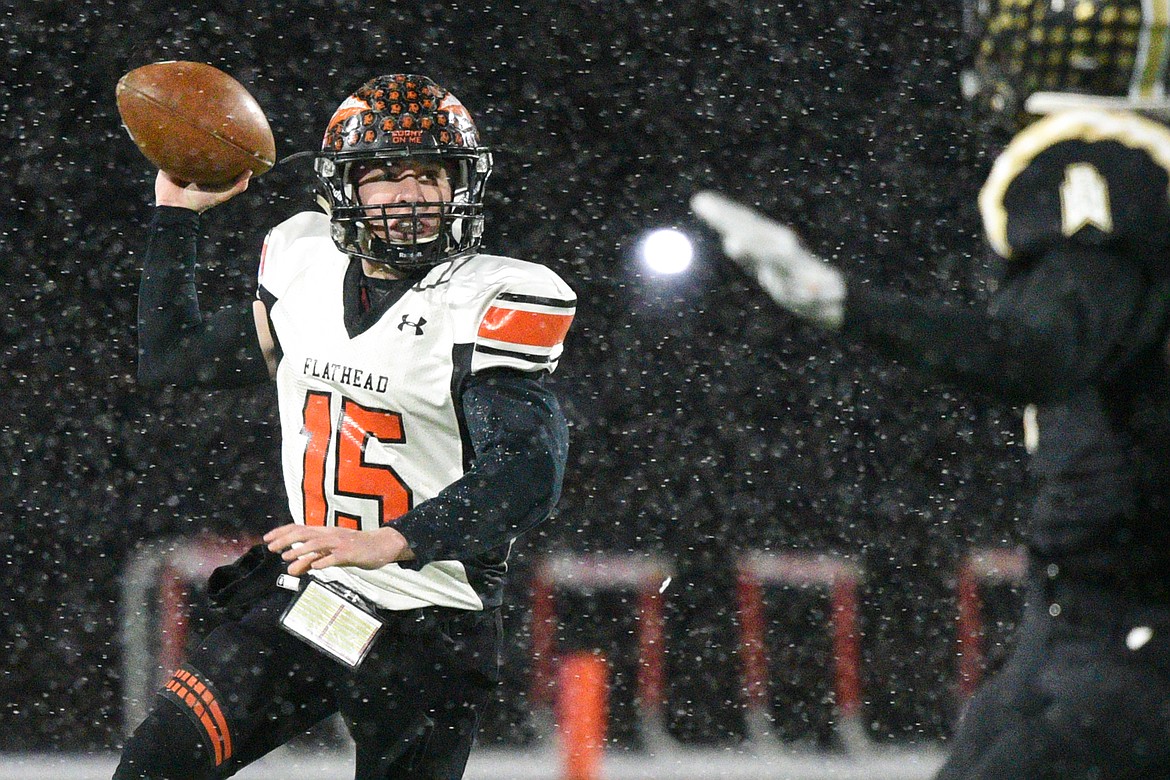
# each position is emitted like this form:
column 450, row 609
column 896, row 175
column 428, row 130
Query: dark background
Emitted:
column 705, row 422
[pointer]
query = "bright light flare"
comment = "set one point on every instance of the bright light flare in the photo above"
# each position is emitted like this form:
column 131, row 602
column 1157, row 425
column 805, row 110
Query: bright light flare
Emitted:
column 667, row 251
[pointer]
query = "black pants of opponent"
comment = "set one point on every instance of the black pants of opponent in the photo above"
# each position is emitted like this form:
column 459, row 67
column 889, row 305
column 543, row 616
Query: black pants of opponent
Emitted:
column 412, row 706
column 1086, row 694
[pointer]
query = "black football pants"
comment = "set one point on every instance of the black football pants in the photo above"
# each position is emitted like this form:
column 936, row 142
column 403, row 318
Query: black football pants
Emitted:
column 412, row 706
column 1085, row 695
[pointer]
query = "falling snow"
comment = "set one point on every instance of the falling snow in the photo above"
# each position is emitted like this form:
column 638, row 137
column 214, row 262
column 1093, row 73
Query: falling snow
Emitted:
column 705, row 422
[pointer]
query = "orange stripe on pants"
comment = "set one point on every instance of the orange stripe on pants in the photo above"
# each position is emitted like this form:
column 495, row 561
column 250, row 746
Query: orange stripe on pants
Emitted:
column 202, row 703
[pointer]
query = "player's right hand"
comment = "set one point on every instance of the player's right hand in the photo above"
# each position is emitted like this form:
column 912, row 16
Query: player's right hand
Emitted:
column 770, row 252
column 169, row 191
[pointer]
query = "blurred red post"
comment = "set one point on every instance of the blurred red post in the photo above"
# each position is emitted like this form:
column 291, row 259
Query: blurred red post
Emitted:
column 582, row 703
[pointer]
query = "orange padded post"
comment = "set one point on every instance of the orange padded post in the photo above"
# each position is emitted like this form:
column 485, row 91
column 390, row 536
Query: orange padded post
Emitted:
column 582, row 704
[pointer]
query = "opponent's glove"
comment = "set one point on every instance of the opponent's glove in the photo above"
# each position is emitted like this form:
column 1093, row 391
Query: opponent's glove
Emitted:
column 795, row 278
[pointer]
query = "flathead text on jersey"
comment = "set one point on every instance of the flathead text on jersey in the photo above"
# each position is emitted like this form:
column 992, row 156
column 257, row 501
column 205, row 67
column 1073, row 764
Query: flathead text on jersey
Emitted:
column 345, row 375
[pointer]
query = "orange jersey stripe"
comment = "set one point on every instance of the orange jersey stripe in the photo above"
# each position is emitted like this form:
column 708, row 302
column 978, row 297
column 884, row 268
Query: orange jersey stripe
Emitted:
column 531, row 328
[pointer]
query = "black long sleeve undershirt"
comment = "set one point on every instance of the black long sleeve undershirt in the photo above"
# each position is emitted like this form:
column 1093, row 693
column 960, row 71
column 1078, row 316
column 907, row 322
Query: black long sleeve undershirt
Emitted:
column 521, row 441
column 177, row 344
column 1069, row 320
column 1007, row 359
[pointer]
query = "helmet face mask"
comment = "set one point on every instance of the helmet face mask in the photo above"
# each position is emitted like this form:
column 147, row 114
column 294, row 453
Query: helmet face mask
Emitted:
column 1039, row 56
column 387, row 120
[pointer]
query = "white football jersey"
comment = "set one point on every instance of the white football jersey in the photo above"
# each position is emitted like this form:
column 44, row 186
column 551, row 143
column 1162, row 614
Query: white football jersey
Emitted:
column 369, row 421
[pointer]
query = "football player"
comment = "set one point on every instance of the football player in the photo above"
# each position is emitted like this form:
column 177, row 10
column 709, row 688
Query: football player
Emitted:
column 419, row 439
column 1078, row 207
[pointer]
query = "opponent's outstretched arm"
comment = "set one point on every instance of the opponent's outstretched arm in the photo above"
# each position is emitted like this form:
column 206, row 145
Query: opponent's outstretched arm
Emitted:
column 1047, row 332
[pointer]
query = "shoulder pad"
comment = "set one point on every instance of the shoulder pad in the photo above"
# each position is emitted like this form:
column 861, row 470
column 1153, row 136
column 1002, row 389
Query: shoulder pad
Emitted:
column 521, row 276
column 526, row 312
column 279, row 261
column 1094, row 177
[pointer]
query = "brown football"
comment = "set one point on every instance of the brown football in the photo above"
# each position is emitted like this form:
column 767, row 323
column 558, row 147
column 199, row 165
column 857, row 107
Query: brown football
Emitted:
column 195, row 122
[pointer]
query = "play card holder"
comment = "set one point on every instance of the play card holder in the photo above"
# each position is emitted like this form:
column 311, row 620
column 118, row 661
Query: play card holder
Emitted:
column 333, row 619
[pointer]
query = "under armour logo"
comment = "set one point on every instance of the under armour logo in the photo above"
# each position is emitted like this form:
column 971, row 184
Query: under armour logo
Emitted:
column 416, row 325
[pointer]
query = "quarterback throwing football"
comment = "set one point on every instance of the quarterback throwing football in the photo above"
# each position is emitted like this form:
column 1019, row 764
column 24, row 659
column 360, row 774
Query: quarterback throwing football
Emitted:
column 419, row 440
column 1078, row 205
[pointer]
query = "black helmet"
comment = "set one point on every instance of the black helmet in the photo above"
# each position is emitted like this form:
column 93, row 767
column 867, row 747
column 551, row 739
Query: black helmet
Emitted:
column 394, row 117
column 1040, row 56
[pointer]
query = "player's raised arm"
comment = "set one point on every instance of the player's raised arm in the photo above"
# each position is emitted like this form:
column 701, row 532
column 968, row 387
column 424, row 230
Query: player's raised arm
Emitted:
column 207, row 136
column 177, row 344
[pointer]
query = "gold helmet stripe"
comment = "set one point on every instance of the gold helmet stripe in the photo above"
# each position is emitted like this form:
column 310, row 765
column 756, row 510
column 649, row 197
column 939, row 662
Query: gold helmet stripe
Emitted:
column 1149, row 72
column 1085, row 125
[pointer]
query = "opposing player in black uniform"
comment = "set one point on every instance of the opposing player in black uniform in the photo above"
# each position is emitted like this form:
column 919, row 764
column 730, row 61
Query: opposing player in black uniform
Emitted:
column 1078, row 205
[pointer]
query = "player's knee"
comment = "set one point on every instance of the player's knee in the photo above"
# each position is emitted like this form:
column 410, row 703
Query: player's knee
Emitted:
column 165, row 746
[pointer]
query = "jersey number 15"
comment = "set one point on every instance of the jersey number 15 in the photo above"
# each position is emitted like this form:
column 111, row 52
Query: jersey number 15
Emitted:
column 353, row 475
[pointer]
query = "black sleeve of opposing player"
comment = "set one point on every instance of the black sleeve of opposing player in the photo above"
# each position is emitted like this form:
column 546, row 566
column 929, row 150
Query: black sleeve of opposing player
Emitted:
column 1072, row 318
column 177, row 345
column 521, row 443
column 967, row 347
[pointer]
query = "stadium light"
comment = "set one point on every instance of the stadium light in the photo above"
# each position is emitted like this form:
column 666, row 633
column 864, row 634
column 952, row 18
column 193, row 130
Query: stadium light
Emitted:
column 666, row 251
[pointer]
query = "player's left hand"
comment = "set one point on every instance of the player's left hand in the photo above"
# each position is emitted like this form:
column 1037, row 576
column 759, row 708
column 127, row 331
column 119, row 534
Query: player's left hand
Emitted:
column 317, row 547
column 770, row 252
